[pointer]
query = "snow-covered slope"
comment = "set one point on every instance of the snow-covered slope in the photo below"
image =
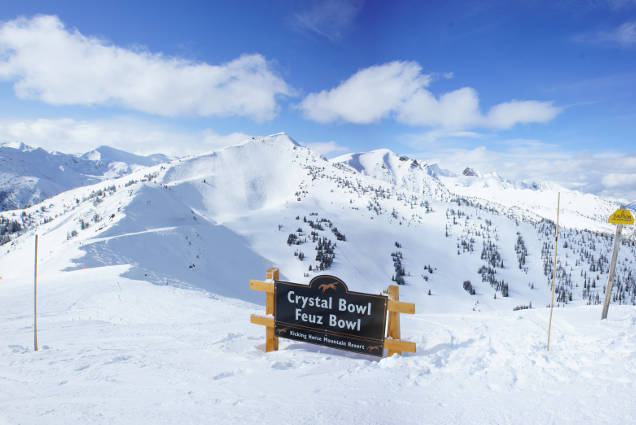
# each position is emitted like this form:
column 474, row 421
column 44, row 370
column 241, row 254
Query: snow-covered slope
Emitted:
column 199, row 221
column 144, row 293
column 533, row 201
column 106, row 155
column 116, row 350
column 578, row 210
column 401, row 171
column 259, row 175
column 29, row 175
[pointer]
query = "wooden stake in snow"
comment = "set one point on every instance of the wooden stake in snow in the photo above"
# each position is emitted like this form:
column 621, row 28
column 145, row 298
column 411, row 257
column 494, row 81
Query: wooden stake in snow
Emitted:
column 620, row 217
column 556, row 243
column 35, row 297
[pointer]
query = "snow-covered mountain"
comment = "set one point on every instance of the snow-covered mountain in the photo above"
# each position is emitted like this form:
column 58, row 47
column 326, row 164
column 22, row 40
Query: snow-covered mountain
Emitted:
column 29, row 175
column 531, row 200
column 143, row 284
column 402, row 172
column 578, row 210
column 371, row 218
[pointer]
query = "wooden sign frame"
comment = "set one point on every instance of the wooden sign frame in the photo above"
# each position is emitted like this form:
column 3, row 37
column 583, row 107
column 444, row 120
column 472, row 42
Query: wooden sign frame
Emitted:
column 392, row 342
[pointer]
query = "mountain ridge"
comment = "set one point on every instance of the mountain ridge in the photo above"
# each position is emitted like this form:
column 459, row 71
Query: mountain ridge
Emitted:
column 210, row 220
column 29, row 175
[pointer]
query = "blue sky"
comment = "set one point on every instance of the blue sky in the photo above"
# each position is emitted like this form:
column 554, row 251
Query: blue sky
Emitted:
column 532, row 90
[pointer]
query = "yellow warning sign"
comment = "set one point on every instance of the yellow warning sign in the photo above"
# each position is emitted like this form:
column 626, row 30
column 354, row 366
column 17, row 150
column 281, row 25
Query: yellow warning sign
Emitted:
column 621, row 216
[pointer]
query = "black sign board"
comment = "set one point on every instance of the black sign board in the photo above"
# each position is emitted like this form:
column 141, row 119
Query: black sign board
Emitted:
column 325, row 312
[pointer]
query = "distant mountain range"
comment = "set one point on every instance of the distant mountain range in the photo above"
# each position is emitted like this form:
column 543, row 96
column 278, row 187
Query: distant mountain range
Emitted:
column 214, row 221
column 29, row 175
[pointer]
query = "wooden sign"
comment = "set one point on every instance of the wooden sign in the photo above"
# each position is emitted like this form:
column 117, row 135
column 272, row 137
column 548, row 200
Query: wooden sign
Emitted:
column 621, row 216
column 325, row 312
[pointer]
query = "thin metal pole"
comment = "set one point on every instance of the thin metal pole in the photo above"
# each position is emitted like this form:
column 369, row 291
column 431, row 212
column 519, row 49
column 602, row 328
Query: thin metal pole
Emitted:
column 35, row 297
column 556, row 243
column 610, row 279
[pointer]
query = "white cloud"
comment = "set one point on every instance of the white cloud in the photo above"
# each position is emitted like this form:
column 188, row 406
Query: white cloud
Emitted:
column 50, row 63
column 624, row 34
column 214, row 140
column 368, row 95
column 611, row 174
column 437, row 136
column 455, row 109
column 507, row 114
column 399, row 89
column 326, row 149
column 132, row 135
column 614, row 180
column 329, row 18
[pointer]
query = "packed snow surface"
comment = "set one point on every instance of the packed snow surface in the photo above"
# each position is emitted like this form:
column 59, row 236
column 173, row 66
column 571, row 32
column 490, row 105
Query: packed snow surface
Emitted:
column 115, row 350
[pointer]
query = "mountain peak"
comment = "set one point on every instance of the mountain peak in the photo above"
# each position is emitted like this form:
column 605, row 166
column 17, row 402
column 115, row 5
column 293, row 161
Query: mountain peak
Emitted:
column 434, row 170
column 281, row 137
column 469, row 172
column 108, row 154
column 18, row 146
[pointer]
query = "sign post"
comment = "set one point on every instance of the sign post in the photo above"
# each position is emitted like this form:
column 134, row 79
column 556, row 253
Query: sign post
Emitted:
column 326, row 312
column 556, row 244
column 620, row 217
